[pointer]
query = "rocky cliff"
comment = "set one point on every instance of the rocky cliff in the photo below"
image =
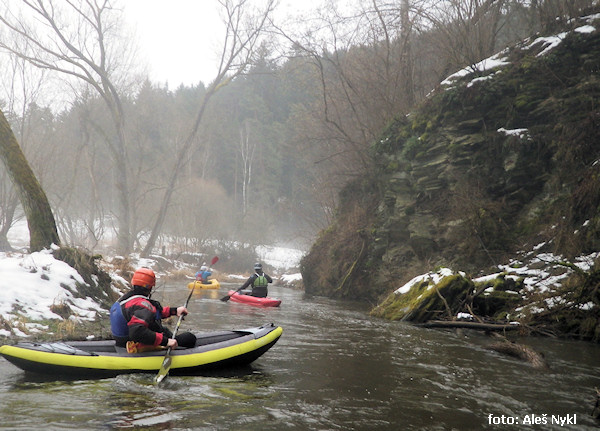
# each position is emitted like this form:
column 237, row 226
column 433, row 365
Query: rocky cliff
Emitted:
column 502, row 158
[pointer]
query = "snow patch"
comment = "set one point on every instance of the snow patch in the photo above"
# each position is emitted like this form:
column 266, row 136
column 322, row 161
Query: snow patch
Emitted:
column 520, row 133
column 432, row 278
column 493, row 62
column 33, row 283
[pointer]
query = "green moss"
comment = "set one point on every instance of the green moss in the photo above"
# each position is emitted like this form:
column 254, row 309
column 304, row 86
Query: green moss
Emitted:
column 396, row 306
column 419, row 123
column 424, row 302
column 392, row 166
column 411, row 147
column 495, row 303
column 589, row 326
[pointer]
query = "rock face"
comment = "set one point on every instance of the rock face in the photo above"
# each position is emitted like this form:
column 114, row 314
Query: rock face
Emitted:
column 497, row 160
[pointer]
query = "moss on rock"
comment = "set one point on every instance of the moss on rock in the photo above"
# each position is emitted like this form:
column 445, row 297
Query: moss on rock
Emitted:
column 425, row 300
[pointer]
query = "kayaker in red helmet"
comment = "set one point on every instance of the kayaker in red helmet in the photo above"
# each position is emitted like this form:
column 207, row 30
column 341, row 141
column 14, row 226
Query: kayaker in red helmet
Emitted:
column 135, row 319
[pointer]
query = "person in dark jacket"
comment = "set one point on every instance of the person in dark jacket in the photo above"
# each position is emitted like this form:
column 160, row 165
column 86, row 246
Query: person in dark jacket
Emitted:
column 259, row 281
column 136, row 319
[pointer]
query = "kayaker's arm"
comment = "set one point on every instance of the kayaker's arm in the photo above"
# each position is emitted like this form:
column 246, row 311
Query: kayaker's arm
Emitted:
column 243, row 286
column 172, row 311
column 248, row 282
column 139, row 331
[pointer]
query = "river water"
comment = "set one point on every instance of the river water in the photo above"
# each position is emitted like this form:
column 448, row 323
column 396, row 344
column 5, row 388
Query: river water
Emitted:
column 334, row 368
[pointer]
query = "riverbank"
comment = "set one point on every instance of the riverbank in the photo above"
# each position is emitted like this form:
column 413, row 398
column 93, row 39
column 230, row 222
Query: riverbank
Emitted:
column 540, row 294
column 43, row 297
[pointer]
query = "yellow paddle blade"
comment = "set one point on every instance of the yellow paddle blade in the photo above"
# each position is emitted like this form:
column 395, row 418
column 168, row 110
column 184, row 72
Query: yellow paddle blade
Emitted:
column 164, row 369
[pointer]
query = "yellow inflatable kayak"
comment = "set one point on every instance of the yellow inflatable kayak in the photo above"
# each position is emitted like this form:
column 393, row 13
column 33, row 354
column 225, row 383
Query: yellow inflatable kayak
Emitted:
column 93, row 359
column 213, row 284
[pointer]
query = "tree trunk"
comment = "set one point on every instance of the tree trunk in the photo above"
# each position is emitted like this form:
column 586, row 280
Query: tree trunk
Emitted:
column 406, row 55
column 124, row 238
column 42, row 226
column 235, row 57
column 182, row 156
column 247, row 152
column 8, row 215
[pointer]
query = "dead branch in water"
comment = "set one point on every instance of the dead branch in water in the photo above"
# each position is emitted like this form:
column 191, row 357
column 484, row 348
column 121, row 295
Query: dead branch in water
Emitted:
column 519, row 351
column 469, row 325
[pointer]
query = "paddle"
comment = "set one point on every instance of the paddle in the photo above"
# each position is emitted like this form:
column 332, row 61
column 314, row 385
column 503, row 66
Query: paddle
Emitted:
column 212, row 262
column 166, row 364
column 228, row 297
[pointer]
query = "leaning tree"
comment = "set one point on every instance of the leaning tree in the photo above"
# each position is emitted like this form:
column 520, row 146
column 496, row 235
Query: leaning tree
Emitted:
column 42, row 226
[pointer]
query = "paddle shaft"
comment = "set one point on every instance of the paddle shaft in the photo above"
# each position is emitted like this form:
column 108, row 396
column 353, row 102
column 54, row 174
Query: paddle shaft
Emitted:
column 166, row 365
column 187, row 301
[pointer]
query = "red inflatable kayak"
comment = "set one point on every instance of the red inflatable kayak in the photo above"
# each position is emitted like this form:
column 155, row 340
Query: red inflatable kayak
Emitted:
column 253, row 300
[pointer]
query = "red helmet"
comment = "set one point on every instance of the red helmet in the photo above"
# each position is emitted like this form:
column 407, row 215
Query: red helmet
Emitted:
column 144, row 277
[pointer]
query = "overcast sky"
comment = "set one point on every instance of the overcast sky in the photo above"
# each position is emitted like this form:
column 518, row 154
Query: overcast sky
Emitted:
column 180, row 38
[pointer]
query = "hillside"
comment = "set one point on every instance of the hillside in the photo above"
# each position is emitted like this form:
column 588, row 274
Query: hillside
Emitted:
column 499, row 165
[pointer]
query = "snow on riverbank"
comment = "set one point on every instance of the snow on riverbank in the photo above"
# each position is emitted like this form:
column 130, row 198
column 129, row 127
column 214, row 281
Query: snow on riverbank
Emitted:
column 34, row 286
column 540, row 272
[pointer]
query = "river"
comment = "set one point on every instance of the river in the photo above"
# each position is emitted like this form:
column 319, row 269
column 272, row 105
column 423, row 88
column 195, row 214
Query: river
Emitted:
column 334, row 368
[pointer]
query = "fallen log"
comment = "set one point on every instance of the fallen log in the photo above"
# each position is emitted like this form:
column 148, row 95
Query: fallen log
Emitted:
column 469, row 325
column 519, row 351
column 522, row 352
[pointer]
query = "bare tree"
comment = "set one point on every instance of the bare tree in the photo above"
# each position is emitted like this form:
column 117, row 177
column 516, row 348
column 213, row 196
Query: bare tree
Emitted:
column 363, row 66
column 557, row 12
column 79, row 39
column 247, row 151
column 467, row 30
column 245, row 26
column 21, row 86
column 79, row 208
column 406, row 60
column 42, row 227
column 8, row 207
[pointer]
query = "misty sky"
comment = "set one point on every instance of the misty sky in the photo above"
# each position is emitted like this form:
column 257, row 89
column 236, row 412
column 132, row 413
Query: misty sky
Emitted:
column 180, row 39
